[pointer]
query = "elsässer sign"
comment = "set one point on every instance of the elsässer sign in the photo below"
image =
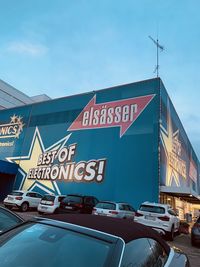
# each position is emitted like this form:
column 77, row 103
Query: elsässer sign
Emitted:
column 120, row 113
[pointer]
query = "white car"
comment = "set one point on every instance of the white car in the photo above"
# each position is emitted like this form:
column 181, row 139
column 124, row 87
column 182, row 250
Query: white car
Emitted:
column 22, row 200
column 50, row 204
column 114, row 209
column 161, row 217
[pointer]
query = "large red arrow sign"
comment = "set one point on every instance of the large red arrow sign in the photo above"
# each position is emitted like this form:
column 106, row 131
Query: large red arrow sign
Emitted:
column 121, row 113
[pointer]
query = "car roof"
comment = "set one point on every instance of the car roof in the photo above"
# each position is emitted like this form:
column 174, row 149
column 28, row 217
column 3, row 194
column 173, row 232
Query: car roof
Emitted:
column 156, row 204
column 79, row 195
column 25, row 191
column 128, row 230
column 113, row 202
column 53, row 195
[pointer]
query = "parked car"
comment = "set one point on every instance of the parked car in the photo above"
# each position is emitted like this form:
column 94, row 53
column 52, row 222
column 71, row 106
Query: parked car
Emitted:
column 195, row 233
column 22, row 200
column 114, row 209
column 8, row 219
column 77, row 204
column 103, row 242
column 50, row 203
column 160, row 217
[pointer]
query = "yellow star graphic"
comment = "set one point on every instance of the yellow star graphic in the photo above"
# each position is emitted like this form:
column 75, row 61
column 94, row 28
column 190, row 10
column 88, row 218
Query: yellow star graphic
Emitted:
column 167, row 138
column 13, row 118
column 28, row 162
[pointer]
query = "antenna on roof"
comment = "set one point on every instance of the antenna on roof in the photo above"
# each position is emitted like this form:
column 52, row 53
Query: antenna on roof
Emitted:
column 158, row 46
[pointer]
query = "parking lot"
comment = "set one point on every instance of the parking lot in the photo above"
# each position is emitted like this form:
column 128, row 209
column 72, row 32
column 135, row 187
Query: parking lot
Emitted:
column 182, row 241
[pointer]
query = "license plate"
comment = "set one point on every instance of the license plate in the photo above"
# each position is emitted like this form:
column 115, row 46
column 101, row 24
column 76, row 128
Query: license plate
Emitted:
column 44, row 208
column 68, row 208
column 10, row 198
column 148, row 217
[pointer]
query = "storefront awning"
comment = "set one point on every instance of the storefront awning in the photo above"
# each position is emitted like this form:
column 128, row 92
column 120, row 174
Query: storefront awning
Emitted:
column 186, row 194
column 8, row 167
column 189, row 198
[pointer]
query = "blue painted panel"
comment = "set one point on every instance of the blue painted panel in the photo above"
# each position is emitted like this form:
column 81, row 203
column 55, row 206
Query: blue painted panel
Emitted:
column 66, row 136
column 8, row 167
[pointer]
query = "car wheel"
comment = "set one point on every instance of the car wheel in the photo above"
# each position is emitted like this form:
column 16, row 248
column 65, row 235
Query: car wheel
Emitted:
column 24, row 207
column 171, row 234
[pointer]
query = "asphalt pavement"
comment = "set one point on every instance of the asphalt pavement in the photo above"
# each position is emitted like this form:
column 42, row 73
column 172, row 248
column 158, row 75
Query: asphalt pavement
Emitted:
column 183, row 242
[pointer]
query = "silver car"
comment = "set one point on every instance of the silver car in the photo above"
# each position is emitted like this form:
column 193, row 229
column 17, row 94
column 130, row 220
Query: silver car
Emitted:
column 114, row 209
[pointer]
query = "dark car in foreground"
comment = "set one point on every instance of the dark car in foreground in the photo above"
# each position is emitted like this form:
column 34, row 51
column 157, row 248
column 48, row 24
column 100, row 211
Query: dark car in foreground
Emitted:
column 195, row 233
column 8, row 219
column 77, row 204
column 82, row 240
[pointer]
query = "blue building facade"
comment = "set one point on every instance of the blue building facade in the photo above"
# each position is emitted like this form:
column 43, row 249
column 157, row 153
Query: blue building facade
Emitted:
column 117, row 144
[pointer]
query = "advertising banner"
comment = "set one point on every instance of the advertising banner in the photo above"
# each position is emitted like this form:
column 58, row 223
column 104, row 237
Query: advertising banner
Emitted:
column 179, row 164
column 102, row 143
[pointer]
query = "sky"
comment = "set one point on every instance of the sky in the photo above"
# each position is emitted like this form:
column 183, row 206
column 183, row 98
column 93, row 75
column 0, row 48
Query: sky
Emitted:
column 66, row 47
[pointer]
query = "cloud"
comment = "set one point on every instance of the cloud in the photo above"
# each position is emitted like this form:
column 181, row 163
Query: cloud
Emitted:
column 27, row 48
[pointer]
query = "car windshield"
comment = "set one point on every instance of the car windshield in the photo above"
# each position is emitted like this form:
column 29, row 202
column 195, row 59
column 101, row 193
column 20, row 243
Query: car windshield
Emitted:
column 16, row 193
column 154, row 209
column 8, row 220
column 48, row 197
column 106, row 205
column 73, row 199
column 19, row 245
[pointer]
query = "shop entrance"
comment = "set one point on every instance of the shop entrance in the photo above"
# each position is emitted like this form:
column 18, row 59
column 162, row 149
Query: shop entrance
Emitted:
column 8, row 172
column 6, row 184
column 186, row 206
